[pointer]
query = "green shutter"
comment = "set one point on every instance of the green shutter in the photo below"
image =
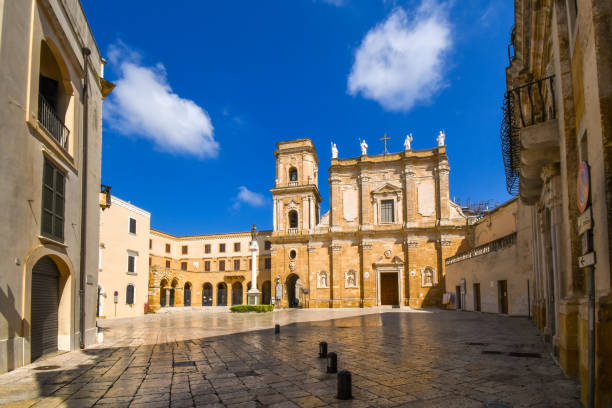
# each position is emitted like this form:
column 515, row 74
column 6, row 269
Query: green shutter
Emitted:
column 52, row 222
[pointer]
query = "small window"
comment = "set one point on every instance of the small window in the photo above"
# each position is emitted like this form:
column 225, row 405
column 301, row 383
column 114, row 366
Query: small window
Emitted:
column 293, row 219
column 268, row 263
column 150, row 244
column 221, row 247
column 207, row 249
column 293, row 175
column 129, row 294
column 206, row 266
column 267, row 245
column 150, row 261
column 236, row 264
column 387, row 211
column 131, row 266
column 222, row 265
column 168, row 248
column 236, row 246
column 132, row 226
column 183, row 266
column 292, row 254
column 184, row 250
column 52, row 224
column 167, row 264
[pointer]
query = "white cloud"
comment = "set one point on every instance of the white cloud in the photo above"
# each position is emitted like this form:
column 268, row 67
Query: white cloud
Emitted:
column 143, row 104
column 400, row 61
column 249, row 197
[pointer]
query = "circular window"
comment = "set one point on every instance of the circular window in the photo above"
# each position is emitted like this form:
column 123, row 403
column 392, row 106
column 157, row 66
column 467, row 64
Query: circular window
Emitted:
column 292, row 254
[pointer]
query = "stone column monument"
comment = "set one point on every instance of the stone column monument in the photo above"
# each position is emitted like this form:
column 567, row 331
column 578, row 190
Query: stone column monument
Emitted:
column 253, row 295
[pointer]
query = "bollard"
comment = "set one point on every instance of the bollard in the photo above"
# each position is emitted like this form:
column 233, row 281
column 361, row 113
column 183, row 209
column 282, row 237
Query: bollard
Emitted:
column 344, row 385
column 323, row 349
column 276, row 328
column 332, row 363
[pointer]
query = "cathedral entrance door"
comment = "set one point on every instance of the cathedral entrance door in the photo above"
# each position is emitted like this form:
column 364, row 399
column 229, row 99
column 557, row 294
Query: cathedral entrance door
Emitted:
column 389, row 290
column 207, row 295
column 294, row 286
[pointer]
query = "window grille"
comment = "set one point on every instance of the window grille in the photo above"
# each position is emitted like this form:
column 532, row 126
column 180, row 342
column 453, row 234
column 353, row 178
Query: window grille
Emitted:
column 129, row 295
column 386, row 211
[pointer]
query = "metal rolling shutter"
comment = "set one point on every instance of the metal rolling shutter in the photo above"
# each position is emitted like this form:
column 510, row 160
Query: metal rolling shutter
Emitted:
column 45, row 302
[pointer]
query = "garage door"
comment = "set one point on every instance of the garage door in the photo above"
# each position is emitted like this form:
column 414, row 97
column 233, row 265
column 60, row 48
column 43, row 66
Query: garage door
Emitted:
column 45, row 290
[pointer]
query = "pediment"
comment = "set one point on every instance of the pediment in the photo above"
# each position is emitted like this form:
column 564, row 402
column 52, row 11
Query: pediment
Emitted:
column 387, row 188
column 396, row 261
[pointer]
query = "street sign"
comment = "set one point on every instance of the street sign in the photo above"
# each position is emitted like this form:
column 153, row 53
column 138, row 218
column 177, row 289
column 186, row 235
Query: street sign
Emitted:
column 586, row 260
column 583, row 186
column 585, row 221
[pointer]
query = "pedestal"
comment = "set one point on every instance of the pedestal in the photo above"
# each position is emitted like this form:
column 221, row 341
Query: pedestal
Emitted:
column 253, row 297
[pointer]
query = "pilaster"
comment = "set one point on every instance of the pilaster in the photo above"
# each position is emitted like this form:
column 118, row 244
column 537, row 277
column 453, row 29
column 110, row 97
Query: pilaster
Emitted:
column 410, row 201
column 335, row 274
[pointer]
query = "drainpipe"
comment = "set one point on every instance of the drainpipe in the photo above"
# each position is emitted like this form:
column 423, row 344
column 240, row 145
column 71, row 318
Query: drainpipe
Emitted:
column 84, row 172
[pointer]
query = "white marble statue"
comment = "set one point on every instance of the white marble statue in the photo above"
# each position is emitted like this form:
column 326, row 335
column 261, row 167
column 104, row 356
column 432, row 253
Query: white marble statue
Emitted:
column 322, row 281
column 364, row 148
column 441, row 138
column 407, row 142
column 334, row 150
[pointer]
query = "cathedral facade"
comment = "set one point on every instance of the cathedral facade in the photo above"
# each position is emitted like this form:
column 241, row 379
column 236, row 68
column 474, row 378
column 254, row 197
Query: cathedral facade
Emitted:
column 384, row 240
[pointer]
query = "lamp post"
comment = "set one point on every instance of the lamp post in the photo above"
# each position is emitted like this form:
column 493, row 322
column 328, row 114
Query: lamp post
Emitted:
column 253, row 295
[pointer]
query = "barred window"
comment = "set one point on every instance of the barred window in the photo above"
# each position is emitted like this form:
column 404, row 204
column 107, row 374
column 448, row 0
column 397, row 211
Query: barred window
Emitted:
column 52, row 224
column 207, row 249
column 387, row 215
column 183, row 266
column 206, row 266
column 221, row 265
column 236, row 264
column 129, row 294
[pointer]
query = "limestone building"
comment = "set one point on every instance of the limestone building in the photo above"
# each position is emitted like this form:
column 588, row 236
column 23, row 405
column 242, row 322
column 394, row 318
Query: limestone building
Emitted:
column 558, row 125
column 51, row 92
column 390, row 226
column 495, row 275
column 205, row 270
column 123, row 270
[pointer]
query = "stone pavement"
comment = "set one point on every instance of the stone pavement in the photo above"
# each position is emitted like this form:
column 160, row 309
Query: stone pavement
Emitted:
column 397, row 358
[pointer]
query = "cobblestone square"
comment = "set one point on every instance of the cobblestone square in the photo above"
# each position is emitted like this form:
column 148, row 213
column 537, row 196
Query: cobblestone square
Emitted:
column 397, row 357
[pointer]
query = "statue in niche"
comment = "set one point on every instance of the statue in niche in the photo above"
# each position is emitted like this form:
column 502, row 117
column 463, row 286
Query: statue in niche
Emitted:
column 440, row 138
column 322, row 280
column 350, row 279
column 427, row 278
column 407, row 142
column 364, row 148
column 334, row 151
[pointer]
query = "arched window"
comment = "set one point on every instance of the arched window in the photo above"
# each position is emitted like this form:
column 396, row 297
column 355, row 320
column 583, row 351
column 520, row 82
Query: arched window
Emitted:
column 53, row 97
column 293, row 176
column 293, row 219
column 267, row 245
column 129, row 294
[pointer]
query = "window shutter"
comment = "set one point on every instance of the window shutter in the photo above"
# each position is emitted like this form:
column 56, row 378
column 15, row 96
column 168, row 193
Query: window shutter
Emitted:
column 132, row 226
column 130, row 263
column 386, row 211
column 52, row 223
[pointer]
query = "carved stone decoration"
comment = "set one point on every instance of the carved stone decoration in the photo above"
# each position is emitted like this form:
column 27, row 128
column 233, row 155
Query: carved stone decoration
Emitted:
column 428, row 277
column 387, row 253
column 350, row 279
column 412, row 244
column 366, row 245
column 292, row 265
column 336, row 247
column 322, row 280
column 443, row 243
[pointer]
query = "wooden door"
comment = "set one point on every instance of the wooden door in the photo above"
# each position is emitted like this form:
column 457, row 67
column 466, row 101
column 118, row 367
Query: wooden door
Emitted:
column 503, row 296
column 477, row 297
column 389, row 293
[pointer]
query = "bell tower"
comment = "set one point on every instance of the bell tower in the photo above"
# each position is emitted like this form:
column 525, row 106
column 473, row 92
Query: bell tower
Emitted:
column 296, row 193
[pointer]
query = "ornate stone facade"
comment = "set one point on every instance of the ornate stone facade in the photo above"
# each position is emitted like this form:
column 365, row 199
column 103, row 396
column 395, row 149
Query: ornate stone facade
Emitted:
column 389, row 214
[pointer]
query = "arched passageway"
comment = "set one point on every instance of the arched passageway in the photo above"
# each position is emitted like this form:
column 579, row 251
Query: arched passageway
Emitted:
column 222, row 294
column 164, row 293
column 236, row 293
column 207, row 294
column 294, row 290
column 187, row 294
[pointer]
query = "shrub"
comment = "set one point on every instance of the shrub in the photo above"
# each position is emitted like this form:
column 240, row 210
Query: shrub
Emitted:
column 251, row 308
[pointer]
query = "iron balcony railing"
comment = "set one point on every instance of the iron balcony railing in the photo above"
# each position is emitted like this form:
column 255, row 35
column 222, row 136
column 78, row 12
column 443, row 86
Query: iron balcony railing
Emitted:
column 292, row 231
column 501, row 243
column 51, row 121
column 106, row 190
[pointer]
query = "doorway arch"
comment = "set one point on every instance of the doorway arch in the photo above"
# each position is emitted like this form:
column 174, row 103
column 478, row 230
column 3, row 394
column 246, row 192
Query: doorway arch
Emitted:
column 164, row 294
column 236, row 293
column 222, row 294
column 294, row 290
column 187, row 294
column 207, row 294
column 173, row 292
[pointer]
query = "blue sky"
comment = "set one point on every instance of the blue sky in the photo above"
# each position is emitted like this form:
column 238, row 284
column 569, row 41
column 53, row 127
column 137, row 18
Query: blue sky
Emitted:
column 207, row 88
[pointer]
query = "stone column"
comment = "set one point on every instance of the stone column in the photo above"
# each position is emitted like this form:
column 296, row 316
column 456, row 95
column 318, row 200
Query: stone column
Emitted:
column 334, row 207
column 312, row 213
column 274, row 214
column 335, row 273
column 253, row 295
column 410, row 202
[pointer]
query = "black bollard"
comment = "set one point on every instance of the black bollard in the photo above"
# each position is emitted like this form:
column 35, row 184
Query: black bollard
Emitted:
column 323, row 349
column 276, row 328
column 344, row 385
column 332, row 363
